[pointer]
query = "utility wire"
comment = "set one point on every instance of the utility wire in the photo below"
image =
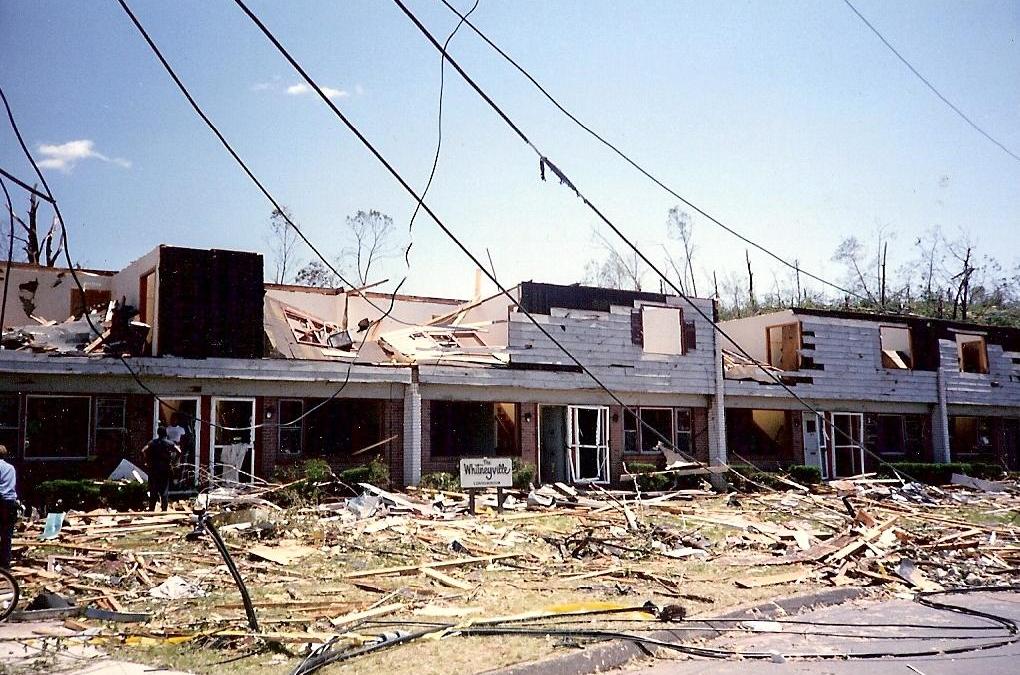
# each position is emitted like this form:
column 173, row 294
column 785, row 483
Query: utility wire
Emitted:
column 95, row 329
column 642, row 170
column 439, row 133
column 545, row 162
column 927, row 82
column 24, row 186
column 442, row 226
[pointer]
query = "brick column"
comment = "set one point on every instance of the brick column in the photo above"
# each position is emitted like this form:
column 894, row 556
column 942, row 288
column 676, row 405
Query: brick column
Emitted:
column 616, row 414
column 393, row 425
column 529, row 434
column 268, row 437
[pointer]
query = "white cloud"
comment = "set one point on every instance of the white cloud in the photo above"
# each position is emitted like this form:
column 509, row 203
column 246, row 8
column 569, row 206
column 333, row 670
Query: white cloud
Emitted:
column 301, row 89
column 65, row 156
column 261, row 86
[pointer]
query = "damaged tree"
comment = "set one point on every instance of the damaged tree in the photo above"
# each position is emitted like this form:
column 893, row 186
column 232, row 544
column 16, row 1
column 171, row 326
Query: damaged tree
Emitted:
column 37, row 251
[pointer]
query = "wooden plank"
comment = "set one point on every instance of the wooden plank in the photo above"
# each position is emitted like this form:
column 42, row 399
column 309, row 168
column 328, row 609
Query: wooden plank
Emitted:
column 446, row 579
column 400, row 569
column 773, row 579
column 367, row 614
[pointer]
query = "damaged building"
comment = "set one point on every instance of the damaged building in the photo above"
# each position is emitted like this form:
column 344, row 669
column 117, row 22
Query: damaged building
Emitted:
column 263, row 375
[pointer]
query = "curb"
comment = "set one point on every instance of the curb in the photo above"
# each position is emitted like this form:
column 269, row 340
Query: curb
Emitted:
column 616, row 653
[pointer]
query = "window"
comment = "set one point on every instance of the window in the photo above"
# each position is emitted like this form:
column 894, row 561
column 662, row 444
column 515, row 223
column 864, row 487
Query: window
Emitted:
column 970, row 436
column 661, row 330
column 783, row 343
column 111, row 432
column 57, row 426
column 464, row 428
column 290, row 431
column 92, row 299
column 656, row 424
column 972, row 353
column 674, row 425
column 765, row 433
column 896, row 351
column 684, row 431
column 343, row 426
column 9, row 422
column 890, row 435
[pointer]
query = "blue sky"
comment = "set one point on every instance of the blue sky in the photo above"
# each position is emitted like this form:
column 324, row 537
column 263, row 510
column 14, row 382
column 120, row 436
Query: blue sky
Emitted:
column 789, row 121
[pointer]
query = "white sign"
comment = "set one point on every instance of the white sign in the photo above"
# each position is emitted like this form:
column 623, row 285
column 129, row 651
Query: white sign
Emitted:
column 481, row 472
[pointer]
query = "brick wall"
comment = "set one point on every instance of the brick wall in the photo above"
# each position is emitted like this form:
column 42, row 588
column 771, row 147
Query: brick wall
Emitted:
column 393, row 425
column 528, row 425
column 268, row 438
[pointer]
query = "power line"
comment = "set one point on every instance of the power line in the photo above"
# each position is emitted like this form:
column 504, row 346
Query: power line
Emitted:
column 928, row 83
column 545, row 162
column 642, row 170
column 439, row 134
column 428, row 210
column 24, row 186
column 10, row 257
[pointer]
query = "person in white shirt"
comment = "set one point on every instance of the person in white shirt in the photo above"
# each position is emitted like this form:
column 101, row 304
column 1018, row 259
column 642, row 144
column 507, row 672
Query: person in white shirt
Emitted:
column 175, row 432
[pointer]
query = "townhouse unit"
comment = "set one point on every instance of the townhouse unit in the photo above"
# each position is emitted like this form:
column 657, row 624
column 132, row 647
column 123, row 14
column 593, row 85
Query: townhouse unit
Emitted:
column 579, row 382
column 886, row 387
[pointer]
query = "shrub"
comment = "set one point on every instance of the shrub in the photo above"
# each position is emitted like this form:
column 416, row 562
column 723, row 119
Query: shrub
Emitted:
column 64, row 495
column 804, row 474
column 355, row 475
column 379, row 473
column 442, row 481
column 650, row 481
column 123, row 496
column 523, row 474
column 940, row 474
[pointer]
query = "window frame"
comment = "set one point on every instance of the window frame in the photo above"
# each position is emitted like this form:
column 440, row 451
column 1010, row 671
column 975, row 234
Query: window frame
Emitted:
column 281, row 428
column 675, row 428
column 58, row 458
column 882, row 350
column 983, row 357
column 798, row 358
column 641, row 427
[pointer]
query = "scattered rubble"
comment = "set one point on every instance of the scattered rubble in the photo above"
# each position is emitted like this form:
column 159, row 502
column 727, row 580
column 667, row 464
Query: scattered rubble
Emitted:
column 349, row 572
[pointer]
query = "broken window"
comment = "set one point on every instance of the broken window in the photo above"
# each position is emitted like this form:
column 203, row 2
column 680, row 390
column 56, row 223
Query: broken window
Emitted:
column 233, row 451
column 289, row 415
column 463, row 428
column 309, row 330
column 765, row 433
column 972, row 353
column 661, row 330
column 111, row 430
column 970, row 436
column 9, row 422
column 657, row 424
column 57, row 426
column 896, row 348
column 147, row 298
column 342, row 427
column 890, row 435
column 588, row 432
column 783, row 344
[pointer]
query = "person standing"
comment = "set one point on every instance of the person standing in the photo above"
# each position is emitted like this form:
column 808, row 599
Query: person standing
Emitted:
column 159, row 456
column 8, row 507
column 175, row 432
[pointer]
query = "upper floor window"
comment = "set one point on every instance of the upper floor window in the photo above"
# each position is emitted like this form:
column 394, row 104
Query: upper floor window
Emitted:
column 783, row 345
column 896, row 348
column 662, row 330
column 972, row 353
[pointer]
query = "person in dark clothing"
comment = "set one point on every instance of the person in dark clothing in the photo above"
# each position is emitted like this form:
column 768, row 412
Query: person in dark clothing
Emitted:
column 159, row 455
column 8, row 507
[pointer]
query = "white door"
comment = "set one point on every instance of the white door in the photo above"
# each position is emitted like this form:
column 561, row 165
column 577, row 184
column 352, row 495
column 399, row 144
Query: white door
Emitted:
column 185, row 412
column 815, row 441
column 847, row 440
column 233, row 452
column 588, row 434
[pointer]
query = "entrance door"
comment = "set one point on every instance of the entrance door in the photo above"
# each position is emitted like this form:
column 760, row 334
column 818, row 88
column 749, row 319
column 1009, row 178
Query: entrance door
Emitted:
column 552, row 444
column 233, row 453
column 815, row 442
column 183, row 411
column 588, row 437
column 847, row 444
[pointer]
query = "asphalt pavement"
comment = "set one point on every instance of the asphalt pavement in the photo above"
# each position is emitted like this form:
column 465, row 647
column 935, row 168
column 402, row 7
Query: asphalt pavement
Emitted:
column 902, row 628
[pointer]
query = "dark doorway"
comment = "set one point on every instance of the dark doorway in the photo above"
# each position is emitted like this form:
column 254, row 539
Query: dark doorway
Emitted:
column 552, row 443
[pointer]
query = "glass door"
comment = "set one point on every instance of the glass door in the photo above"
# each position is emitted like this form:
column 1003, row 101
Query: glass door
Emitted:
column 232, row 459
column 589, row 443
column 847, row 444
column 181, row 412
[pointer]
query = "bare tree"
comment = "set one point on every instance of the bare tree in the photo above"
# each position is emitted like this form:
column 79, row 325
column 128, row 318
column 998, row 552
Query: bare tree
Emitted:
column 37, row 251
column 851, row 253
column 282, row 242
column 615, row 269
column 317, row 275
column 679, row 228
column 372, row 234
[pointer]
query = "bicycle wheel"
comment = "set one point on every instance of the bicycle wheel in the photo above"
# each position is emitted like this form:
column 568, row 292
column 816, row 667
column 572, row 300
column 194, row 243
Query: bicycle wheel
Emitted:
column 9, row 593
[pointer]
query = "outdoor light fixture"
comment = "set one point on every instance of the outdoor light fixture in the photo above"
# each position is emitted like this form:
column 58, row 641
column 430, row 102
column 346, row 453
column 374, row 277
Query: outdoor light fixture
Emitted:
column 527, row 417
